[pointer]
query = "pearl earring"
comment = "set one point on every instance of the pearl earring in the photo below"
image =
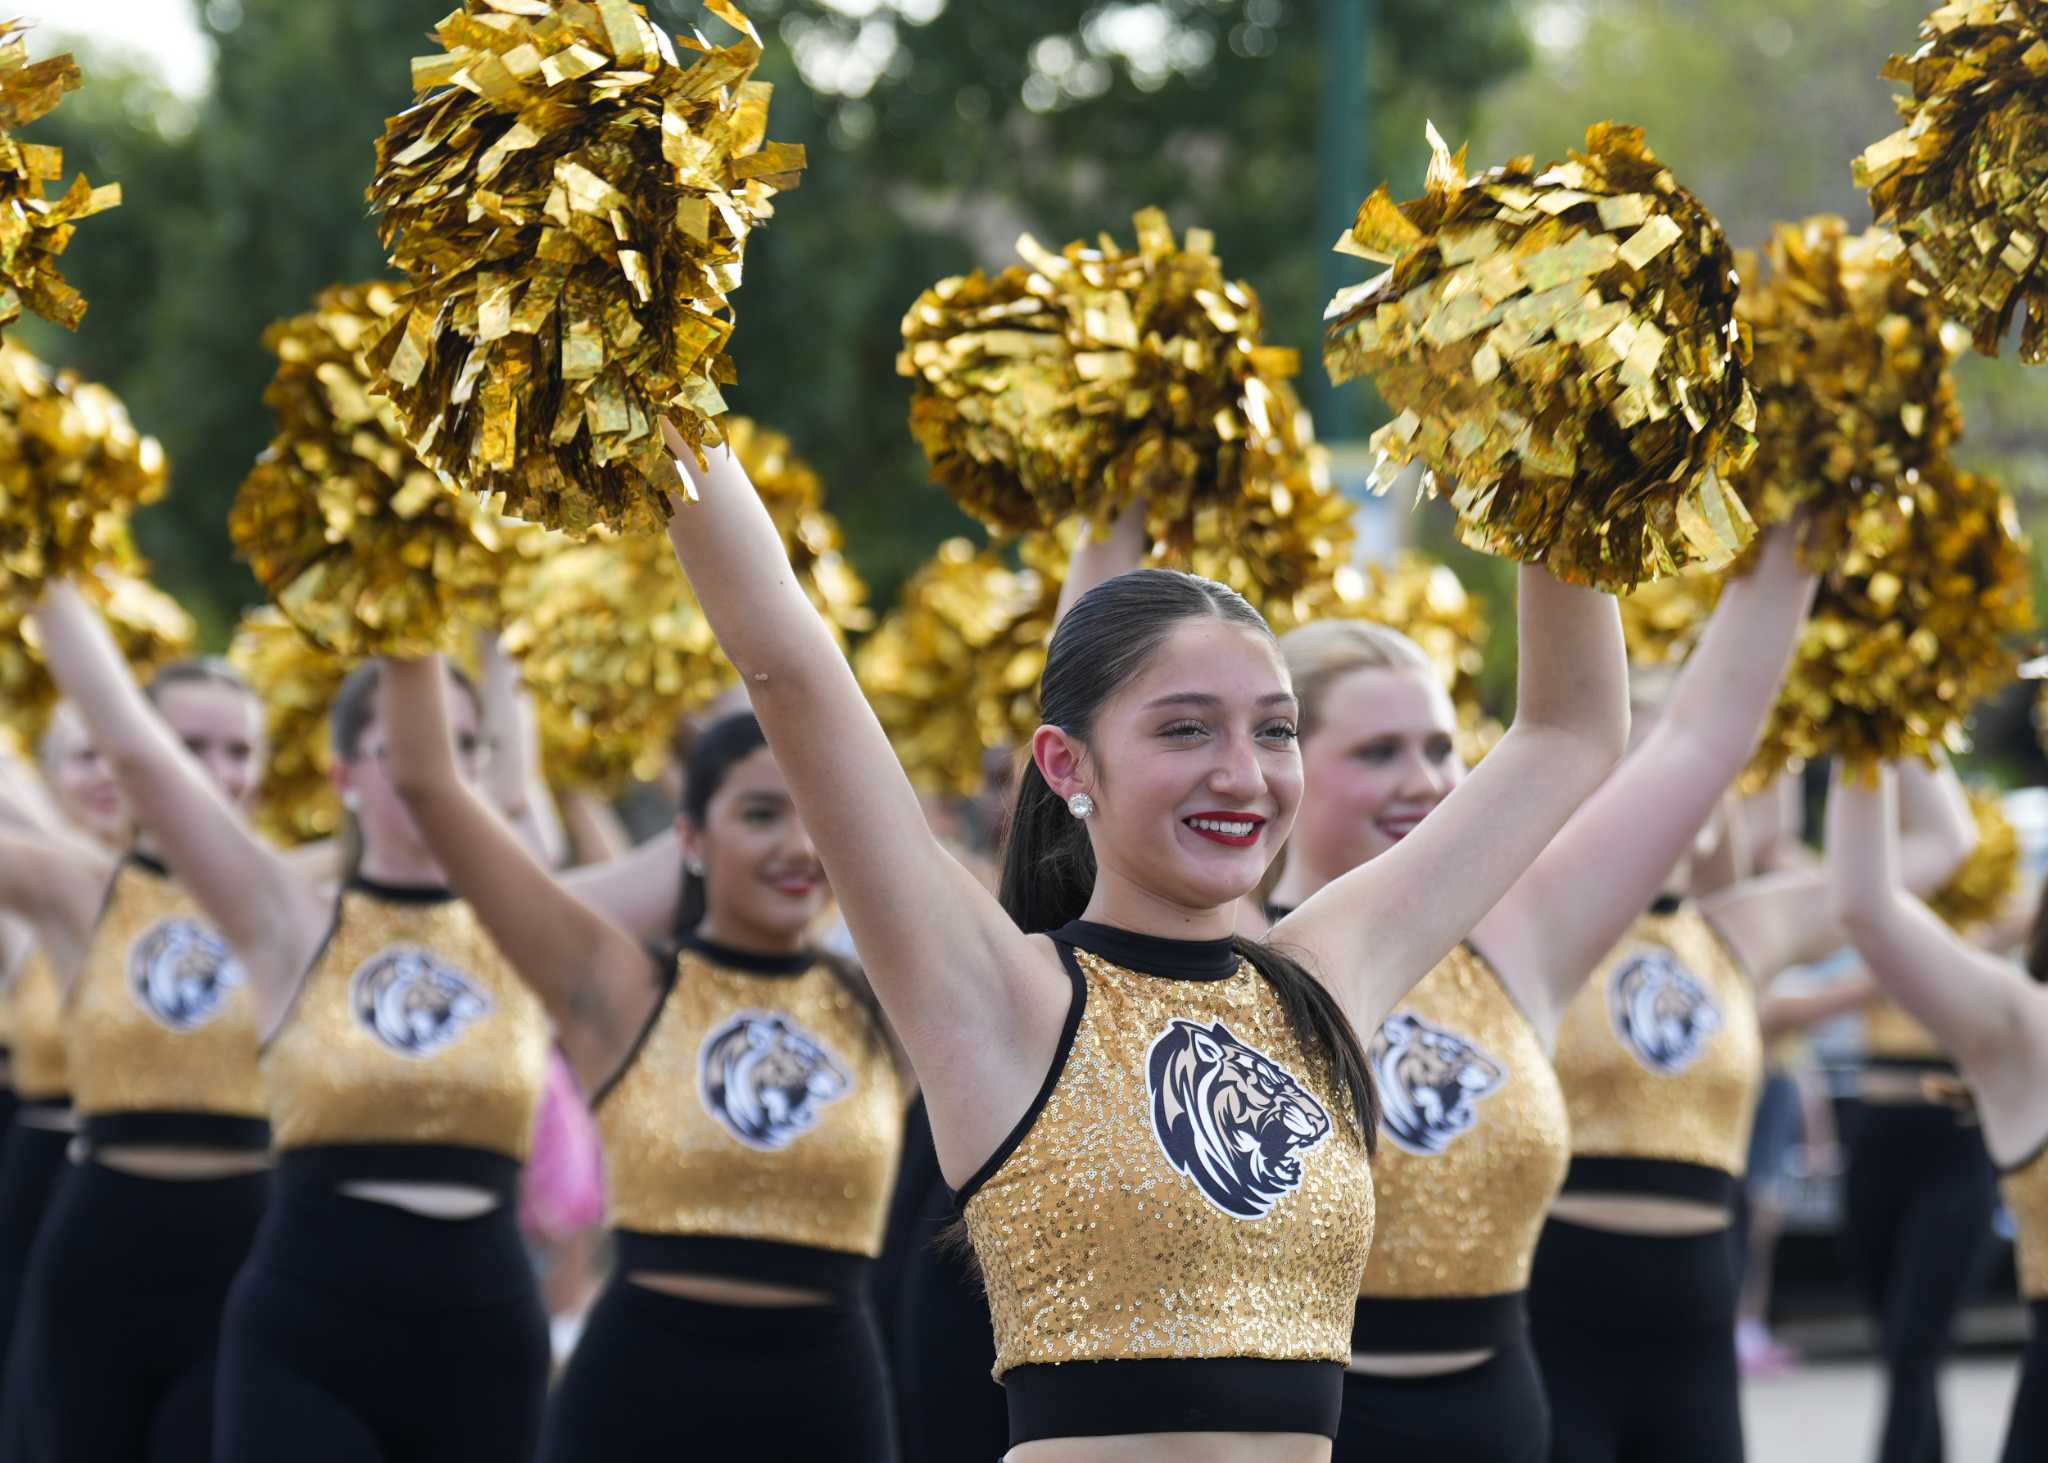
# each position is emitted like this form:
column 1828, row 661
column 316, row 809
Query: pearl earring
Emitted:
column 695, row 865
column 352, row 800
column 1080, row 805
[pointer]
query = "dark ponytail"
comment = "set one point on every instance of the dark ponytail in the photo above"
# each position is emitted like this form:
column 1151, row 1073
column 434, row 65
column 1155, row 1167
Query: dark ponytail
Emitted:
column 1102, row 644
column 712, row 754
column 2037, row 939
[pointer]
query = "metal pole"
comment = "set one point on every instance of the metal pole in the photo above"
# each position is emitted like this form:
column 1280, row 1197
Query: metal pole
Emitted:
column 1345, row 34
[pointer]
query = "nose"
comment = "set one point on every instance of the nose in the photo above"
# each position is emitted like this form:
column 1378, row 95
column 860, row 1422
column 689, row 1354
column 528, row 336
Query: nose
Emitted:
column 796, row 842
column 1236, row 773
column 1426, row 780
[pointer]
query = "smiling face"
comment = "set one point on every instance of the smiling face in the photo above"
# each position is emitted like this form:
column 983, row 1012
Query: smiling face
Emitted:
column 1192, row 766
column 79, row 779
column 763, row 884
column 222, row 727
column 391, row 839
column 1383, row 754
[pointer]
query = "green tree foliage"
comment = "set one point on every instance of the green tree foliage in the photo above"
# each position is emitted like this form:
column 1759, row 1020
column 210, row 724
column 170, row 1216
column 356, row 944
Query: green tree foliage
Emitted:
column 937, row 132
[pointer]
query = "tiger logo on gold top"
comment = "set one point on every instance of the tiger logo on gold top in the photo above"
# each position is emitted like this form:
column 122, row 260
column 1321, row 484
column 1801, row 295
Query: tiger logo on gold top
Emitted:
column 1661, row 1012
column 182, row 973
column 1430, row 1082
column 1230, row 1117
column 414, row 1003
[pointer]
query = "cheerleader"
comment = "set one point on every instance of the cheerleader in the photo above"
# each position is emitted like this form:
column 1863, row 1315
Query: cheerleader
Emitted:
column 387, row 1309
column 1992, row 1020
column 748, row 1096
column 1106, row 1064
column 118, row 1338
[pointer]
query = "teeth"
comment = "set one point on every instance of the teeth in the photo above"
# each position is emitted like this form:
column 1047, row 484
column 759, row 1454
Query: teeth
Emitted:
column 1217, row 825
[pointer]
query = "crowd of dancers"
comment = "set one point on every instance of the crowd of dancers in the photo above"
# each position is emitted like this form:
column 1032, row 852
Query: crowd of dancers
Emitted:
column 1292, row 1091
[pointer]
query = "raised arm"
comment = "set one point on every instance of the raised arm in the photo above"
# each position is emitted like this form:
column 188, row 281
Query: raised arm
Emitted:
column 1381, row 927
column 978, row 1005
column 1971, row 1001
column 270, row 916
column 594, row 978
column 55, row 886
column 1937, row 830
column 1782, row 1012
column 1095, row 559
column 1619, row 850
column 639, row 890
column 512, row 777
column 25, row 805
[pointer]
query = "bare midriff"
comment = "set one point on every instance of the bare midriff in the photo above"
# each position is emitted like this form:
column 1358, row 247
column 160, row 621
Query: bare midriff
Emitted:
column 1399, row 1364
column 429, row 1201
column 1177, row 1448
column 724, row 1290
column 152, row 1162
column 1640, row 1213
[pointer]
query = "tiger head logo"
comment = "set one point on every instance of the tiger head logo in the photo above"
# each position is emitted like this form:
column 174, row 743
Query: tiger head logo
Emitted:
column 182, row 973
column 765, row 1078
column 1660, row 1012
column 413, row 1003
column 1430, row 1083
column 1230, row 1117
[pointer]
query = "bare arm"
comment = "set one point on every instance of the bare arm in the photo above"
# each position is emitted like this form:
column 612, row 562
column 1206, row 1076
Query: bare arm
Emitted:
column 1787, row 1011
column 57, row 888
column 512, row 778
column 1381, row 927
column 1619, row 850
column 639, row 891
column 1937, row 830
column 271, row 917
column 976, row 1002
column 1094, row 559
column 594, row 978
column 597, row 835
column 1968, row 999
column 24, row 804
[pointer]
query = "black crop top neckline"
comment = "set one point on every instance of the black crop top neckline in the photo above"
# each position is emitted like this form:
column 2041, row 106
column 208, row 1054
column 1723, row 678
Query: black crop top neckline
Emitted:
column 752, row 962
column 149, row 863
column 1152, row 954
column 401, row 893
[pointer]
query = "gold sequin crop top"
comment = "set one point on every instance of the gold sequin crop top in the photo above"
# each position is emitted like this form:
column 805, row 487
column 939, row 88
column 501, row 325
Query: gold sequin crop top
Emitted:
column 411, row 1052
column 42, row 1073
column 1661, row 1060
column 161, row 1032
column 1892, row 1038
column 1186, row 1203
column 755, row 1128
column 2025, row 1189
column 1473, row 1147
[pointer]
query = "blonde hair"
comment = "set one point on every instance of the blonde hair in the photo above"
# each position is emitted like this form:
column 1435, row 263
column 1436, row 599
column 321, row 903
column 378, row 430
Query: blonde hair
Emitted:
column 1321, row 654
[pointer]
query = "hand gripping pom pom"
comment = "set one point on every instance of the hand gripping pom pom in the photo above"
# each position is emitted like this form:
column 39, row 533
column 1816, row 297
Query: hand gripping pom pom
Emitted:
column 150, row 627
column 35, row 229
column 1965, row 181
column 362, row 545
column 571, row 203
column 297, row 679
column 1562, row 345
column 1096, row 377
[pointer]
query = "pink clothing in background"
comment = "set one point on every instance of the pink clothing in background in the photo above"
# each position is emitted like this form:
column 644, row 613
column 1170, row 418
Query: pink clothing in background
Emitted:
column 563, row 1191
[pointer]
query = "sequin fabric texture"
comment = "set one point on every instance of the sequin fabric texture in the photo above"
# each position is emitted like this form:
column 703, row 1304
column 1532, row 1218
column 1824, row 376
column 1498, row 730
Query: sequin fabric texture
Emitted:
column 1660, row 1054
column 1096, row 1246
column 1473, row 1140
column 2026, row 1195
column 41, row 1063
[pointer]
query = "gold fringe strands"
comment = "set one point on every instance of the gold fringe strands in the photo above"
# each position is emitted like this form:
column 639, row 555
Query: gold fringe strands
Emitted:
column 796, row 501
column 150, row 627
column 1979, row 891
column 297, row 679
column 362, row 546
column 1007, row 675
column 1663, row 620
column 73, row 469
column 1965, row 180
column 34, row 228
column 571, row 202
column 1089, row 379
column 922, row 666
column 1851, row 375
column 1562, row 346
column 1913, row 626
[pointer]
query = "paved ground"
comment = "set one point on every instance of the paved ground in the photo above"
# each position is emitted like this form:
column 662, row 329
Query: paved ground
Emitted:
column 1828, row 1412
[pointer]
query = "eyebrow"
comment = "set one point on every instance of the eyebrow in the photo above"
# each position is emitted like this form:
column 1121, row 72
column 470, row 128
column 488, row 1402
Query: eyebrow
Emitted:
column 1204, row 699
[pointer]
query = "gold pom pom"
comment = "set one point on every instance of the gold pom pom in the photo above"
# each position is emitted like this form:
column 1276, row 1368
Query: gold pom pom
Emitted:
column 150, row 627
column 35, row 229
column 73, row 469
column 614, row 650
column 1562, row 345
column 1911, row 628
column 1661, row 621
column 1100, row 376
column 297, row 679
column 361, row 545
column 922, row 666
column 1978, row 891
column 1850, row 374
column 796, row 501
column 1965, row 181
column 571, row 204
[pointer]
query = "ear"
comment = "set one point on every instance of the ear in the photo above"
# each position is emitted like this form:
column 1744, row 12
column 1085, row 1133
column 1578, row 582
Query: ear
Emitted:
column 689, row 839
column 1062, row 761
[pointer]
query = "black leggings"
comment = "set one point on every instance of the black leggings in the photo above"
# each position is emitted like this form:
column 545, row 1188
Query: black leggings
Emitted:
column 121, row 1316
column 361, row 1333
column 2026, row 1438
column 657, row 1376
column 1917, row 1206
column 31, row 1162
column 1636, row 1338
column 1491, row 1413
column 942, row 1347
